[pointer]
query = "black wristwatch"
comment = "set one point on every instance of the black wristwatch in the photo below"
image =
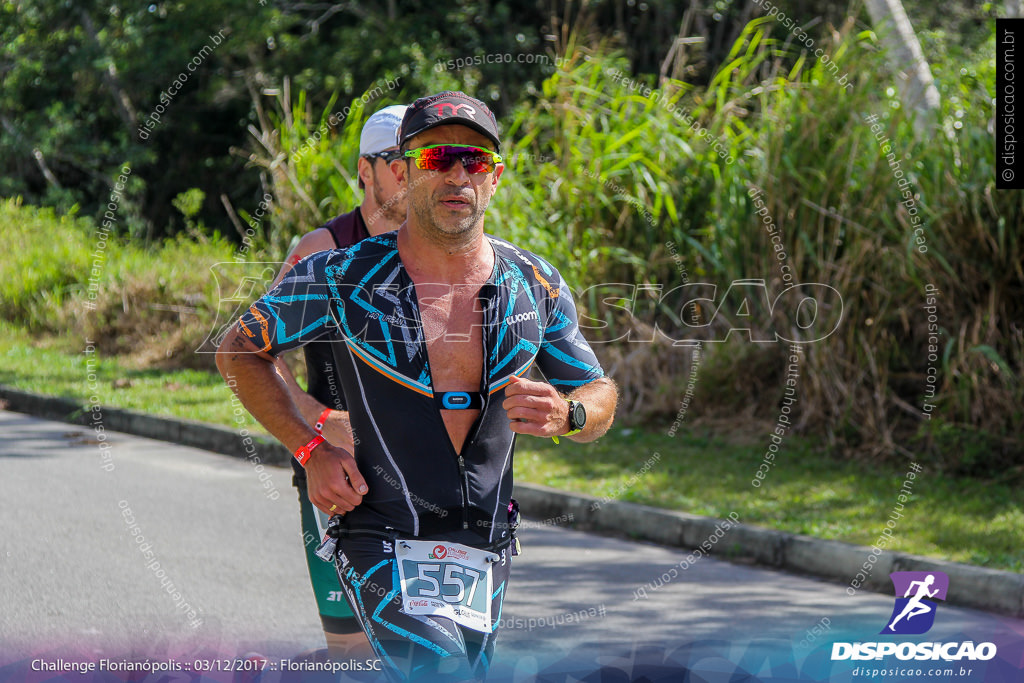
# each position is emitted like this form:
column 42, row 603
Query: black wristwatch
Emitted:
column 577, row 417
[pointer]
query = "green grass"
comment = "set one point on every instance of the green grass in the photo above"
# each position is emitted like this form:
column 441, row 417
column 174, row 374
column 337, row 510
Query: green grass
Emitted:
column 806, row 491
column 59, row 369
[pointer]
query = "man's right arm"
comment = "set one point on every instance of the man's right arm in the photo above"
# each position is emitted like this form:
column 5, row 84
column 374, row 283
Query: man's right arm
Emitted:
column 294, row 313
column 333, row 477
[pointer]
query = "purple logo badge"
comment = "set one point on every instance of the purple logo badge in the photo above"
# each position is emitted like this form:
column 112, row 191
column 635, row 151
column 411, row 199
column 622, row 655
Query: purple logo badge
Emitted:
column 916, row 593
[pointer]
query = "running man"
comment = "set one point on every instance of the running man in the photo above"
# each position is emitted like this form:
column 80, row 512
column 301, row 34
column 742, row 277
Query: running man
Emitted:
column 914, row 606
column 382, row 210
column 434, row 329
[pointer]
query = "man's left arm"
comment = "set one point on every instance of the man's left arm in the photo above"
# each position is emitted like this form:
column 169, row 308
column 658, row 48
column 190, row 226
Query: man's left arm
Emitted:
column 599, row 399
column 573, row 373
column 538, row 409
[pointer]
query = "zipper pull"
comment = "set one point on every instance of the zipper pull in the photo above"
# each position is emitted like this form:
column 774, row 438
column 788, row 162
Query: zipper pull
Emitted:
column 325, row 551
column 327, row 548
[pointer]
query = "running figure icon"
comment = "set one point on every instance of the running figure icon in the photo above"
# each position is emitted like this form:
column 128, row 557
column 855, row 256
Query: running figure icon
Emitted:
column 915, row 607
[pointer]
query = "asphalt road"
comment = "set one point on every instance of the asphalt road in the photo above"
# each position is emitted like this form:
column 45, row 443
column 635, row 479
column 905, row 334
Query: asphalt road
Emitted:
column 75, row 582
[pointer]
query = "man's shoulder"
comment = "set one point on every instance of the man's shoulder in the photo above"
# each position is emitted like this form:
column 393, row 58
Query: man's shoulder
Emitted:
column 535, row 268
column 318, row 239
column 361, row 256
column 346, row 229
column 376, row 244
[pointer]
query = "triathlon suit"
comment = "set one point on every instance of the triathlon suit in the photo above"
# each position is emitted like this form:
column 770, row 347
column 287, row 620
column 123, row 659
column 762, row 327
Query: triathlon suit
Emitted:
column 324, row 385
column 363, row 300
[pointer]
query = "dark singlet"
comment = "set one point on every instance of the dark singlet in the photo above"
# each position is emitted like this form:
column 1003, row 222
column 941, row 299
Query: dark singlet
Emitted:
column 321, row 374
column 324, row 385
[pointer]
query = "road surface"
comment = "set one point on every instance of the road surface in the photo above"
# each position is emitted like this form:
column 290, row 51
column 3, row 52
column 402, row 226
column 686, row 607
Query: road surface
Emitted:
column 219, row 572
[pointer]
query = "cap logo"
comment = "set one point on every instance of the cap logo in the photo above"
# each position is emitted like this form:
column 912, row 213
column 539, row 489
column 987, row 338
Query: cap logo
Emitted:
column 455, row 109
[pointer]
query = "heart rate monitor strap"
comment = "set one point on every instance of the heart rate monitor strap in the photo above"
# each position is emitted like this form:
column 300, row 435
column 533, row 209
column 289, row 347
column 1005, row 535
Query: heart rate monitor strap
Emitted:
column 459, row 400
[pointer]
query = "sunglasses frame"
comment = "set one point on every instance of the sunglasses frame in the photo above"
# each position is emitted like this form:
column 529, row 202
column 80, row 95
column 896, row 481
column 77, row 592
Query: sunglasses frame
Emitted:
column 388, row 157
column 414, row 154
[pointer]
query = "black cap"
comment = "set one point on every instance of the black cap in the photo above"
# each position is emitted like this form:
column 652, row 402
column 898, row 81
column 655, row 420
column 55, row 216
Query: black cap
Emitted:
column 448, row 108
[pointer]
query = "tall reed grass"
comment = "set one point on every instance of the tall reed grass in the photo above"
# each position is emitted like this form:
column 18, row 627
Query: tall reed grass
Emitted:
column 614, row 189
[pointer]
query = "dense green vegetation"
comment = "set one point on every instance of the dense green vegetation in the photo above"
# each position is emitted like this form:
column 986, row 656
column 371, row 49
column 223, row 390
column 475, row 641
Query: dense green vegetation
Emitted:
column 633, row 158
column 64, row 368
column 89, row 86
column 157, row 302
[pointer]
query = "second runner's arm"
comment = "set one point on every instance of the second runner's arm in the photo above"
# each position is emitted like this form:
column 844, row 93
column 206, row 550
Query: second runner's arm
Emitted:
column 338, row 428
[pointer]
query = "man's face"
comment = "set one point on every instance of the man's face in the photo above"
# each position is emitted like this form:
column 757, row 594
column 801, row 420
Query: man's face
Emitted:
column 448, row 203
column 388, row 192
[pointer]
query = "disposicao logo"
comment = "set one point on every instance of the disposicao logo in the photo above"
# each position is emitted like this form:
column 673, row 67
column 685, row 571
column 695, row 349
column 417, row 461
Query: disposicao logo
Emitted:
column 914, row 614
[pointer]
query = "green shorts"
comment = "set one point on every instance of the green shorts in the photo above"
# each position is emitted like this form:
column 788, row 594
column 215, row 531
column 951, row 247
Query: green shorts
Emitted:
column 335, row 614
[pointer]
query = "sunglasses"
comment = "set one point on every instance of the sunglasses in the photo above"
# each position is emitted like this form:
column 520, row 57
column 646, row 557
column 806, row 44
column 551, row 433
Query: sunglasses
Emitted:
column 443, row 157
column 388, row 157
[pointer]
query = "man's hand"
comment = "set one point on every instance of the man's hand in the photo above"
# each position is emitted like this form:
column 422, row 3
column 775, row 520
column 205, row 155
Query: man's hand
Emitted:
column 333, row 480
column 536, row 408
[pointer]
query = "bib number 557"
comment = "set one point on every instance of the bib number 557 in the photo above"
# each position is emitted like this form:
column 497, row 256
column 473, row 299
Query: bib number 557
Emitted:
column 453, row 583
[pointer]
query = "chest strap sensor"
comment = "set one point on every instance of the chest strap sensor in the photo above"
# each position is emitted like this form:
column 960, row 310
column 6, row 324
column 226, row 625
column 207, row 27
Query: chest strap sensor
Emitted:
column 459, row 400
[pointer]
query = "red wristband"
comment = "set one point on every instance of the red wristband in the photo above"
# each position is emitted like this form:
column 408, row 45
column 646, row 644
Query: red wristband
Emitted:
column 302, row 455
column 322, row 420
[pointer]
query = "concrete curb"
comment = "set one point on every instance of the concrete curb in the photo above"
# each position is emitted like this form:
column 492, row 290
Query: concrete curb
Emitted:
column 986, row 589
column 185, row 432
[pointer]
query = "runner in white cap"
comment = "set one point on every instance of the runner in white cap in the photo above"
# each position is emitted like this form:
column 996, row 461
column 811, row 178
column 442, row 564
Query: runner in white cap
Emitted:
column 382, row 210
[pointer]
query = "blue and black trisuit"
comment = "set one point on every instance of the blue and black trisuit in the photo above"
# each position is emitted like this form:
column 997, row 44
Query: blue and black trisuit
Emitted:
column 362, row 300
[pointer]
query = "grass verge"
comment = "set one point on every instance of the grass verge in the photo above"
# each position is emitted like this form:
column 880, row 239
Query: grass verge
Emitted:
column 62, row 368
column 806, row 491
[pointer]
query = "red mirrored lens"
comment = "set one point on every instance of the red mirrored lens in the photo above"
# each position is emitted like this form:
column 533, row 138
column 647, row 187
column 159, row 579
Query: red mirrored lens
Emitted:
column 442, row 158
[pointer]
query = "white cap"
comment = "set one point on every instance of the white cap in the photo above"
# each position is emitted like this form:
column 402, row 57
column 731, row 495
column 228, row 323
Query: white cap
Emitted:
column 381, row 130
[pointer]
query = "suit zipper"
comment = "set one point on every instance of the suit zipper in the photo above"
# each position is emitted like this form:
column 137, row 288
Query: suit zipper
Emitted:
column 476, row 426
column 465, row 492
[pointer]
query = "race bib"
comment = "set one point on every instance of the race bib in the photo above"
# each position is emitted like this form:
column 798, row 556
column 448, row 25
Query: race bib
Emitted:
column 446, row 580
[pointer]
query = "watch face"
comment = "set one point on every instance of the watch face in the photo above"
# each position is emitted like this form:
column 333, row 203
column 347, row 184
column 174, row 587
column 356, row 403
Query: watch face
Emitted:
column 579, row 415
